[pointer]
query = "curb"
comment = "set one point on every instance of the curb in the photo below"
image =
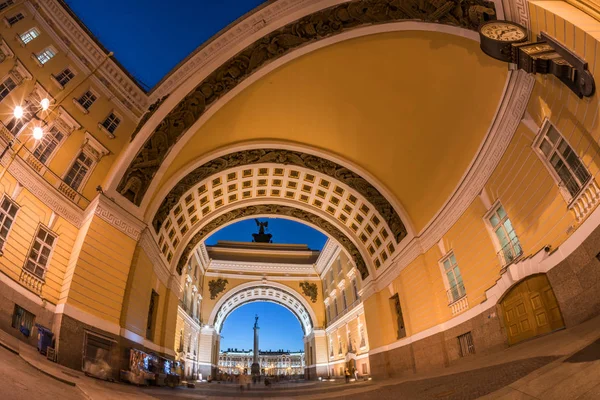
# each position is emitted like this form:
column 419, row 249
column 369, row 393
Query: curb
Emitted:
column 49, row 374
column 7, row 347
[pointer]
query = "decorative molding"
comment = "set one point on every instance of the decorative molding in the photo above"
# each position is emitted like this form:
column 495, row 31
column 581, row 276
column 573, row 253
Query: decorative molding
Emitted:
column 271, row 291
column 328, row 254
column 586, row 200
column 112, row 213
column 262, row 277
column 310, row 28
column 261, row 267
column 273, row 209
column 93, row 147
column 75, row 35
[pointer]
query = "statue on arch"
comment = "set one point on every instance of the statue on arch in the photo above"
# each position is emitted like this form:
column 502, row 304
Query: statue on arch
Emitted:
column 261, row 236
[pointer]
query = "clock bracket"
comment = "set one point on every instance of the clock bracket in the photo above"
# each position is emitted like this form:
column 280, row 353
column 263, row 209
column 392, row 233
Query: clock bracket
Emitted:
column 549, row 56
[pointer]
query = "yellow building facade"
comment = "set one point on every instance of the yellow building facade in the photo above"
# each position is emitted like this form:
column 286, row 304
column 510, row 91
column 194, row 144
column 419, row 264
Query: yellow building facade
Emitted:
column 459, row 195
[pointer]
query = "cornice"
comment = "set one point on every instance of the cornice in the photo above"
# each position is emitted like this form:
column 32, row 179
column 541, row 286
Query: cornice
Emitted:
column 95, row 55
column 244, row 266
column 254, row 277
column 186, row 317
column 116, row 216
column 328, row 254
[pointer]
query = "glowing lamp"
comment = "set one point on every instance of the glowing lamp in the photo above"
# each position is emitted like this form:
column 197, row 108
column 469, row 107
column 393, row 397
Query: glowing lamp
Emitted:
column 38, row 133
column 45, row 103
column 18, row 112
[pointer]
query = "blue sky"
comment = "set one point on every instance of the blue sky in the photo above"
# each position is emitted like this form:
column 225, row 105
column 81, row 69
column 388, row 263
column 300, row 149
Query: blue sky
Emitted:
column 279, row 328
column 149, row 37
column 283, row 231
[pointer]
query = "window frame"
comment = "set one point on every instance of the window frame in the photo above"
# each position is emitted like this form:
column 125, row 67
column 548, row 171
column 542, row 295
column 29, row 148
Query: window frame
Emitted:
column 55, row 77
column 87, row 175
column 50, row 254
column 106, row 130
column 51, row 49
column 3, row 83
column 28, row 34
column 448, row 256
column 564, row 191
column 7, row 19
column 492, row 233
column 3, row 218
column 91, row 92
column 41, row 142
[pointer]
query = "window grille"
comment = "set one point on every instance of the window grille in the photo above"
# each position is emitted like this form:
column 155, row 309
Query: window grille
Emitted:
column 466, row 345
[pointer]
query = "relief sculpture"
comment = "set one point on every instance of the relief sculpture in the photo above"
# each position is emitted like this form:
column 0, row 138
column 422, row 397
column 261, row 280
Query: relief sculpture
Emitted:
column 284, row 157
column 325, row 23
column 274, row 209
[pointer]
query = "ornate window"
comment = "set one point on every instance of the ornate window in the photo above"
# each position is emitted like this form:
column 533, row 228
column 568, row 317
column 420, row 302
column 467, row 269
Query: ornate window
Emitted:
column 40, row 252
column 504, row 234
column 563, row 163
column 64, row 76
column 48, row 144
column 7, row 86
column 8, row 212
column 79, row 170
column 46, row 55
column 455, row 289
column 87, row 99
column 29, row 35
column 111, row 122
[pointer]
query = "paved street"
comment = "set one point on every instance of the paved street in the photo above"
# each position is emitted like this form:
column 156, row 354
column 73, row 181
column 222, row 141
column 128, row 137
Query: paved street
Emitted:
column 20, row 380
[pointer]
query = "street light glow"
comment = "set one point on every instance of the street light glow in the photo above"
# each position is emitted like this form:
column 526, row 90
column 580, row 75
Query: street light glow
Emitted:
column 38, row 133
column 18, row 112
column 45, row 103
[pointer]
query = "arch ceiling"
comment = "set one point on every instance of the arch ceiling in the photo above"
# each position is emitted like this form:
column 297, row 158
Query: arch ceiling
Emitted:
column 263, row 291
column 318, row 26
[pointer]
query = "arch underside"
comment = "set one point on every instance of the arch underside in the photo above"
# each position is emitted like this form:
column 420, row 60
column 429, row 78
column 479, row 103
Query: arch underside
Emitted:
column 320, row 25
column 277, row 210
column 264, row 293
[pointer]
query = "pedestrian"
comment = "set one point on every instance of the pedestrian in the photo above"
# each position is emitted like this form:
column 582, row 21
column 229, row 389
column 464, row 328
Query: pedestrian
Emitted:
column 347, row 374
column 356, row 374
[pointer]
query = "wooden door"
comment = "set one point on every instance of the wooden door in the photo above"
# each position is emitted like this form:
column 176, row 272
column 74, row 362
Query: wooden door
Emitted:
column 530, row 309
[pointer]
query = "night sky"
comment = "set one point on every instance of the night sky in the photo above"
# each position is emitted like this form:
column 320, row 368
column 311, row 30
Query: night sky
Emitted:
column 149, row 37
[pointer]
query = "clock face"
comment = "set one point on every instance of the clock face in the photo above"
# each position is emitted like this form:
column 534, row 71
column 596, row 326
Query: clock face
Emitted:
column 503, row 31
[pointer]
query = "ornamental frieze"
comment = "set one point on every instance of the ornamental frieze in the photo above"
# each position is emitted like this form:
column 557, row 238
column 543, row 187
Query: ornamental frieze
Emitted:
column 284, row 157
column 274, row 209
column 467, row 14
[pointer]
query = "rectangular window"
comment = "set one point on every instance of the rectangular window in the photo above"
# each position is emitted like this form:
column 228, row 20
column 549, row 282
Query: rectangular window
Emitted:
column 87, row 99
column 152, row 309
column 562, row 161
column 355, row 289
column 45, row 55
column 344, row 303
column 29, row 35
column 15, row 18
column 510, row 248
column 40, row 251
column 15, row 125
column 48, row 144
column 78, row 171
column 6, row 4
column 65, row 76
column 397, row 316
column 339, row 266
column 328, row 311
column 6, row 87
column 111, row 122
column 364, row 369
column 455, row 287
column 465, row 342
column 336, row 307
column 8, row 212
column 22, row 320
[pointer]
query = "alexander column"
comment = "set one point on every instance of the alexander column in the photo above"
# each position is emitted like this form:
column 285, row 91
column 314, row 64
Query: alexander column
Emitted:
column 255, row 369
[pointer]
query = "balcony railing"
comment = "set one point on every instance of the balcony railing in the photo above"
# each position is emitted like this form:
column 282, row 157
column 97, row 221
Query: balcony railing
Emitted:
column 33, row 282
column 188, row 311
column 456, row 292
column 45, row 173
column 510, row 252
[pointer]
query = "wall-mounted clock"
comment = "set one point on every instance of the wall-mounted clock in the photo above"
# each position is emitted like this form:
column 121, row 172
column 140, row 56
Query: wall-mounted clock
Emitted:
column 497, row 38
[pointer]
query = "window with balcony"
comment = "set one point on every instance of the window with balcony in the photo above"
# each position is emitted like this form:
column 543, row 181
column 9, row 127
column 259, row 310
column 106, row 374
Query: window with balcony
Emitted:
column 8, row 212
column 562, row 162
column 48, row 144
column 7, row 86
column 29, row 35
column 79, row 171
column 15, row 18
column 40, row 252
column 455, row 289
column 45, row 55
column 505, row 235
column 87, row 99
column 111, row 122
